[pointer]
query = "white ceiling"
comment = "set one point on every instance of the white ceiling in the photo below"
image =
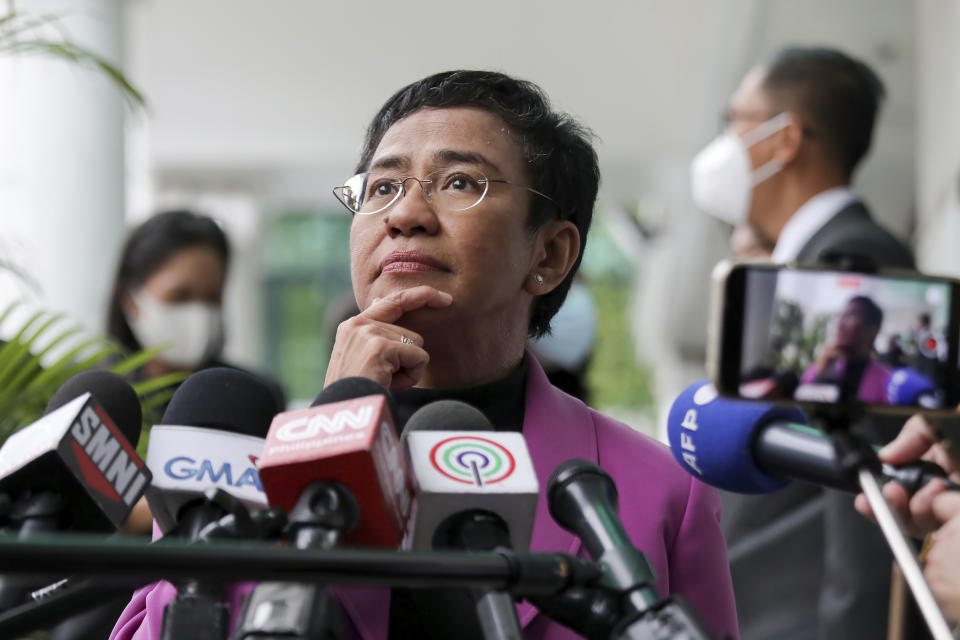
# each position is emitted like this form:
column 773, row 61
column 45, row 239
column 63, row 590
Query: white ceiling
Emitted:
column 250, row 88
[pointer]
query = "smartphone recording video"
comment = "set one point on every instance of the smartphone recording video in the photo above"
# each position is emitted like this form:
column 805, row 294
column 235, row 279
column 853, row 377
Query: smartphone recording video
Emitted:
column 819, row 336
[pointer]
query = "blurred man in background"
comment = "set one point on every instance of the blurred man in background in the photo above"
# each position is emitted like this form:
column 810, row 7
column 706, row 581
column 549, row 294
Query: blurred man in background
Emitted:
column 804, row 565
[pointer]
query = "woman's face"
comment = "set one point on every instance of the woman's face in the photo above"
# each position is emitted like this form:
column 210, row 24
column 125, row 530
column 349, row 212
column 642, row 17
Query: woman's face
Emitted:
column 482, row 256
column 854, row 334
column 193, row 274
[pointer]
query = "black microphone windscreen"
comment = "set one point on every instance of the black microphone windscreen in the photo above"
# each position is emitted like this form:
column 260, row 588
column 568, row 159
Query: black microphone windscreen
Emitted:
column 226, row 399
column 354, row 387
column 447, row 415
column 112, row 392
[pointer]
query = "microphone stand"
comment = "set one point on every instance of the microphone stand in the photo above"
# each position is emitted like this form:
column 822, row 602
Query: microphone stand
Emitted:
column 860, row 464
column 35, row 512
column 325, row 511
column 583, row 500
column 199, row 610
column 64, row 599
column 478, row 530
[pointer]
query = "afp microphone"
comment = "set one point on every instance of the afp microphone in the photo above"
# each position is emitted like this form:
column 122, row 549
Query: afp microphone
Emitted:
column 210, row 438
column 752, row 447
column 906, row 386
column 346, row 437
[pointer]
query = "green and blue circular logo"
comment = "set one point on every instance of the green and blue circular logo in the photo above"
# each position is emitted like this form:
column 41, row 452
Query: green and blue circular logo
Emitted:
column 472, row 460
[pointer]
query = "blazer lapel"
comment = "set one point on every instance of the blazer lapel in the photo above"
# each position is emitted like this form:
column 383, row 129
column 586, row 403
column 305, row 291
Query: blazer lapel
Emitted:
column 557, row 428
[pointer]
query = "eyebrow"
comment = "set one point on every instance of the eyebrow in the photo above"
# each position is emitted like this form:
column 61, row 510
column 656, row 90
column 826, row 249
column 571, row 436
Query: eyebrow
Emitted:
column 441, row 157
column 449, row 156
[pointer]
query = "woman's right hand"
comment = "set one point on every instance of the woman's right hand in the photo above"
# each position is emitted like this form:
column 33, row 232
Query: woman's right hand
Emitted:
column 916, row 441
column 370, row 345
column 828, row 357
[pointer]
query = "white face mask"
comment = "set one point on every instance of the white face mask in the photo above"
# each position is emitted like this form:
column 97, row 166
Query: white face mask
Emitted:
column 190, row 332
column 721, row 177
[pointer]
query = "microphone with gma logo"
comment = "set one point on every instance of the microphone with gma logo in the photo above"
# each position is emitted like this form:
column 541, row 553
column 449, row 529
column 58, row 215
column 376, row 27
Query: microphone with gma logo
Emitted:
column 210, row 438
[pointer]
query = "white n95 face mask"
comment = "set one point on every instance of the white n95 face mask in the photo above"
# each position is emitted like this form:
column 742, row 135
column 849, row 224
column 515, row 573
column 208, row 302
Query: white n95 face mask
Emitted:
column 721, row 178
column 190, row 332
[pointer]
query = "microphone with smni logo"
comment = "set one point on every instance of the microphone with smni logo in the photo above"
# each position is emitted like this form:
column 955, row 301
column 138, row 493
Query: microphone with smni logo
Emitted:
column 76, row 468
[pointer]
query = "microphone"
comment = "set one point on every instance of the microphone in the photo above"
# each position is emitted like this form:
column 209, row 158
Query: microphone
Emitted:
column 210, row 437
column 582, row 499
column 749, row 447
column 460, row 464
column 474, row 490
column 74, row 468
column 906, row 386
column 309, row 467
column 346, row 437
column 203, row 457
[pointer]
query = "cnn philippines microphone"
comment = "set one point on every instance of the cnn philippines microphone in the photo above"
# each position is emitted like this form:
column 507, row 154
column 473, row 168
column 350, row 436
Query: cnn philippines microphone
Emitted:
column 210, row 437
column 582, row 499
column 75, row 468
column 203, row 456
column 474, row 490
column 313, row 464
column 752, row 447
column 346, row 438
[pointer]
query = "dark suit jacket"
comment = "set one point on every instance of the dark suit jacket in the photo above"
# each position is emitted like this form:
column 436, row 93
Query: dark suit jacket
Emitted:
column 805, row 565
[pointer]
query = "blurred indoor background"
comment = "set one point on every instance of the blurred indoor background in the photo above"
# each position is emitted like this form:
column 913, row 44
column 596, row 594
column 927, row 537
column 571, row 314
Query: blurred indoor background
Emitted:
column 255, row 110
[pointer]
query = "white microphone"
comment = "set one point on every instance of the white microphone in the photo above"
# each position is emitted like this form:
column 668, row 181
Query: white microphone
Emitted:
column 459, row 463
column 211, row 438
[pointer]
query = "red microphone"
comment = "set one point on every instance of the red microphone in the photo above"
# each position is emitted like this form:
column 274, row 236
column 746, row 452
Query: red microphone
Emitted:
column 347, row 436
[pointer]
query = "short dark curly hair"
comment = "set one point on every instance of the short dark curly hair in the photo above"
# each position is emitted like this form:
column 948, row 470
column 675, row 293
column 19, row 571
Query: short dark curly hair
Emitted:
column 558, row 151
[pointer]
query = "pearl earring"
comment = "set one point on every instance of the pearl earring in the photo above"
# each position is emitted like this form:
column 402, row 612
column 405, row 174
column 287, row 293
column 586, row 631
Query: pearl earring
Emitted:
column 538, row 279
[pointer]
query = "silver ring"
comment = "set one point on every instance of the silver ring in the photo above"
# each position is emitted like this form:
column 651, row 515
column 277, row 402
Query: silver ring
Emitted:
column 406, row 340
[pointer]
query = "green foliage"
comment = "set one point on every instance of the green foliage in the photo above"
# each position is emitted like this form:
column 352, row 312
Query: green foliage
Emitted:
column 25, row 34
column 31, row 370
column 794, row 345
column 615, row 378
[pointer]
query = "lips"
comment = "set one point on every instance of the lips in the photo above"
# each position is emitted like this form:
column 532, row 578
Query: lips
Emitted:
column 410, row 262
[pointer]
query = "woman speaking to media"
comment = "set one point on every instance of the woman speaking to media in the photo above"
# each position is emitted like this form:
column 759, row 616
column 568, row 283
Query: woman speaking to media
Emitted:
column 471, row 205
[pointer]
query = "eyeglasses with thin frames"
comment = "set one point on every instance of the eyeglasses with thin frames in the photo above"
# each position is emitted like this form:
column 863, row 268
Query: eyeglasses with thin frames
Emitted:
column 447, row 189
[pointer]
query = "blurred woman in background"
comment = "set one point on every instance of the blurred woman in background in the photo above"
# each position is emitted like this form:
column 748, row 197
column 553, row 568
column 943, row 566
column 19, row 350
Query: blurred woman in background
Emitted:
column 168, row 293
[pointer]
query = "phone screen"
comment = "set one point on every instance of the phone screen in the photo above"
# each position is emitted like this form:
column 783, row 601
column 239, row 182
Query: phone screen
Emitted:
column 829, row 336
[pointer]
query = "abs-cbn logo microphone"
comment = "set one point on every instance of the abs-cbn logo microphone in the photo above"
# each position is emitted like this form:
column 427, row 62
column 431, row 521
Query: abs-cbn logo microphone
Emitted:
column 304, row 428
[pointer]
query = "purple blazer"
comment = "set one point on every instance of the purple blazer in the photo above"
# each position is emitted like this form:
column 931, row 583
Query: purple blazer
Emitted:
column 873, row 384
column 670, row 516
